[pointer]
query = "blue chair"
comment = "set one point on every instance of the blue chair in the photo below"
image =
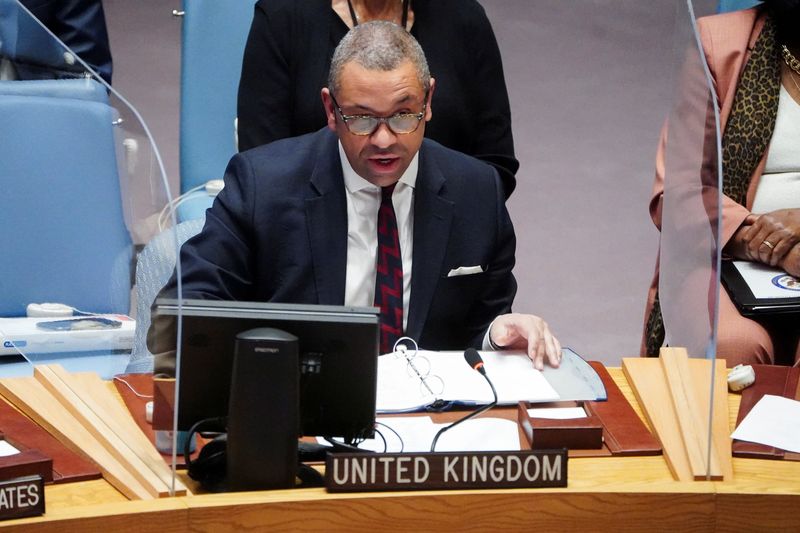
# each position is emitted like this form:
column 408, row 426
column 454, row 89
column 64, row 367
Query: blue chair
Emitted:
column 78, row 88
column 154, row 266
column 63, row 231
column 734, row 5
column 213, row 40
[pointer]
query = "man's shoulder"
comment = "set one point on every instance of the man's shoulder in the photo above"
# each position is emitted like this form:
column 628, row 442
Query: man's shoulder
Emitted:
column 287, row 164
column 453, row 162
column 458, row 175
column 300, row 150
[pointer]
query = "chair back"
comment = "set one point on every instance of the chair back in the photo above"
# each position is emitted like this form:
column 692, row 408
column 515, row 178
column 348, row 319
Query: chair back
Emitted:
column 154, row 266
column 78, row 88
column 62, row 225
column 735, row 5
column 213, row 40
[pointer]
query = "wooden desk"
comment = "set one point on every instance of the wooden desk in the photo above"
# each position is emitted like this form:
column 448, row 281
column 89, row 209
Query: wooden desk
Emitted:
column 604, row 494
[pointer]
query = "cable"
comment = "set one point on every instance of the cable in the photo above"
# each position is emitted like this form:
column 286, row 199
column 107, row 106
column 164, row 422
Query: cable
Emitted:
column 343, row 447
column 471, row 415
column 211, row 188
column 474, row 360
column 173, row 204
column 390, row 428
column 385, row 444
column 117, row 378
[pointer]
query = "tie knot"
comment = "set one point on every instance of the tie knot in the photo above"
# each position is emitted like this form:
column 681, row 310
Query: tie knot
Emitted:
column 386, row 192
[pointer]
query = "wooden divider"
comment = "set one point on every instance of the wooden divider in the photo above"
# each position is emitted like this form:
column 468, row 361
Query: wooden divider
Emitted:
column 651, row 391
column 721, row 421
column 84, row 415
column 693, row 420
column 95, row 393
column 30, row 397
column 92, row 422
column 667, row 407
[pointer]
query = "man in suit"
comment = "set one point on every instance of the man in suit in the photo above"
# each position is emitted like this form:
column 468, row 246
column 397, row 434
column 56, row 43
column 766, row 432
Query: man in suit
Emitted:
column 368, row 212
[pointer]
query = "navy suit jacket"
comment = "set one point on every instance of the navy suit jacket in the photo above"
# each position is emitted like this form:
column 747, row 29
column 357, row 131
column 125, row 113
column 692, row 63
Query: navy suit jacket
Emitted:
column 278, row 233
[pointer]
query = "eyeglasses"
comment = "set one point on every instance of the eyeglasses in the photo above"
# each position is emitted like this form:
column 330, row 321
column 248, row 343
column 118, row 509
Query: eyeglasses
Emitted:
column 418, row 366
column 399, row 123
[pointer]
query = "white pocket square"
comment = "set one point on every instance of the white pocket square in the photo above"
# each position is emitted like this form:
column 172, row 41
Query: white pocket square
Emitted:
column 465, row 271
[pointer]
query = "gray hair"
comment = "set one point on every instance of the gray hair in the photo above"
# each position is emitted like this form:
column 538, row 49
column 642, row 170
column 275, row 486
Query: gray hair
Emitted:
column 378, row 45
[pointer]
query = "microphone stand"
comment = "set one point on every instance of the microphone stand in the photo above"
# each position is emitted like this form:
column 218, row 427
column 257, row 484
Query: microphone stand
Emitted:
column 471, row 415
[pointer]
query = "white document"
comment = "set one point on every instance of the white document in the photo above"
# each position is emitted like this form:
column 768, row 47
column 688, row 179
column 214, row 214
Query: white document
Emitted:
column 479, row 435
column 401, row 389
column 557, row 413
column 768, row 282
column 774, row 421
column 417, row 433
column 6, row 449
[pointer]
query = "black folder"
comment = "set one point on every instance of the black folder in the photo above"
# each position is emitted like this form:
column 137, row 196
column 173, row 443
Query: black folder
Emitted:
column 747, row 303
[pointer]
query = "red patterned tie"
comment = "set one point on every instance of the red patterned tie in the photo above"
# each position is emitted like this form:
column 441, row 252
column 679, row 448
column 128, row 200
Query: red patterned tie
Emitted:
column 389, row 278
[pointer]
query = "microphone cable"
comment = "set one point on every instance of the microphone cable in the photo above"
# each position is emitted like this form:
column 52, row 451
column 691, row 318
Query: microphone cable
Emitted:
column 474, row 360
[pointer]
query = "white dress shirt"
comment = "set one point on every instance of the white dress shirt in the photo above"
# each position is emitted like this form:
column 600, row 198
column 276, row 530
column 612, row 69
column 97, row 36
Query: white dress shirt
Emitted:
column 363, row 203
column 779, row 186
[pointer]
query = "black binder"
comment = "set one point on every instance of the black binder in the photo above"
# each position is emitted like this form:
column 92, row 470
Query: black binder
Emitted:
column 747, row 303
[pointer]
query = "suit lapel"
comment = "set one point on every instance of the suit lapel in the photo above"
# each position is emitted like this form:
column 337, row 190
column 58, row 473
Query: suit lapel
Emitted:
column 326, row 212
column 433, row 214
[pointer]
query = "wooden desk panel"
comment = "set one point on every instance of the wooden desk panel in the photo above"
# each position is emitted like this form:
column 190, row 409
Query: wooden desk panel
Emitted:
column 604, row 494
column 462, row 511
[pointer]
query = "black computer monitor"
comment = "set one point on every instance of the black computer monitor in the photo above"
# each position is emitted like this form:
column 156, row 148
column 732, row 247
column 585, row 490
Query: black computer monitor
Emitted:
column 338, row 348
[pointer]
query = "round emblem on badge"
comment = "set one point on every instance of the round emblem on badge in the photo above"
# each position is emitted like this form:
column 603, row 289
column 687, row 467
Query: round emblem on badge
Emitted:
column 785, row 281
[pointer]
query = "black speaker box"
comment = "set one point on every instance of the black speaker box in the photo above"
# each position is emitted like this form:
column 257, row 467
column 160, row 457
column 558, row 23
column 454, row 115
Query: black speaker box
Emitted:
column 263, row 411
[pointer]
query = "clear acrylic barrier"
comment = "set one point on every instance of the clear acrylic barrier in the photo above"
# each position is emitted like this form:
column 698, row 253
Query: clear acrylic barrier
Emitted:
column 689, row 281
column 85, row 190
column 143, row 195
column 689, row 277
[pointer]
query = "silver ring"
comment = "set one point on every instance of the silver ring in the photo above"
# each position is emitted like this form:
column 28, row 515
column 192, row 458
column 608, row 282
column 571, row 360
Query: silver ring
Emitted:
column 768, row 244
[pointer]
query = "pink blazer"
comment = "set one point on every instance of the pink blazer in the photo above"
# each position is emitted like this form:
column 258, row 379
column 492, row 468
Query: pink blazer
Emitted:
column 727, row 40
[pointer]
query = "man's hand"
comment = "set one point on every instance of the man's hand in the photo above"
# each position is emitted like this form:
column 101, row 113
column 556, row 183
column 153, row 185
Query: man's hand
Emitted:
column 528, row 332
column 770, row 238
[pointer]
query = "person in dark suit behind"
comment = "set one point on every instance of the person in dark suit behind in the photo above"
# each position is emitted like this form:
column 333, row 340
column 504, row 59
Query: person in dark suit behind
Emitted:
column 81, row 25
column 301, row 220
column 288, row 53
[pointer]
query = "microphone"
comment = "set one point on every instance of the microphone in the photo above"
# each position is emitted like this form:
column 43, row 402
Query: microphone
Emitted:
column 474, row 360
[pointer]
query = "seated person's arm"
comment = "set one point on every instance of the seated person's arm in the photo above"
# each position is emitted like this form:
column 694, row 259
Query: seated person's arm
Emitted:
column 215, row 264
column 511, row 330
column 526, row 332
column 791, row 262
column 771, row 238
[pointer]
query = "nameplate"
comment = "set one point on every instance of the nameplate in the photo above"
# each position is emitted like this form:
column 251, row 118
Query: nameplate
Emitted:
column 363, row 472
column 22, row 496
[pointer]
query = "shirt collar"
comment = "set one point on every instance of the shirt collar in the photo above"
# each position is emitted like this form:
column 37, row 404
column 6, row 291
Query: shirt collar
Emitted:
column 353, row 182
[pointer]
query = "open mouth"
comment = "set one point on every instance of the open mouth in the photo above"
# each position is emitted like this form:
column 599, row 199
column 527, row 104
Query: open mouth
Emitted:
column 384, row 162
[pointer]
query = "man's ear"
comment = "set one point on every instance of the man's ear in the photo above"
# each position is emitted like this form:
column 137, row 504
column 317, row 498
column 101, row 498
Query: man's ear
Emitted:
column 428, row 110
column 330, row 109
